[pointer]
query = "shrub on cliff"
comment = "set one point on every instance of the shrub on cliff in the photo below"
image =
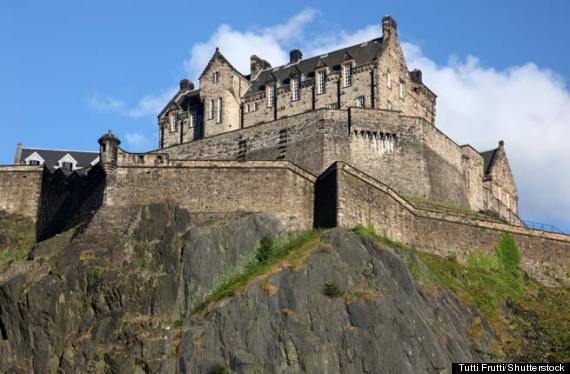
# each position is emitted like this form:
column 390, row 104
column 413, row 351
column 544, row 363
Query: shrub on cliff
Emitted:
column 508, row 253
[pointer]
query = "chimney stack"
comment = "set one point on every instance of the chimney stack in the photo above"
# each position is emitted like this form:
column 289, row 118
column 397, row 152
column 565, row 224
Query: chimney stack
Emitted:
column 186, row 85
column 389, row 27
column 416, row 76
column 295, row 56
column 256, row 65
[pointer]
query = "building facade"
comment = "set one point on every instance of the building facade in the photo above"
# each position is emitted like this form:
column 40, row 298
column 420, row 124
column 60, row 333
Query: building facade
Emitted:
column 388, row 128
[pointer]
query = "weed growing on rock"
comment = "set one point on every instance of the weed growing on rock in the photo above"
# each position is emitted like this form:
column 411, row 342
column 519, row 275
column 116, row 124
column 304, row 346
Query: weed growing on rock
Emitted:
column 332, row 290
column 268, row 253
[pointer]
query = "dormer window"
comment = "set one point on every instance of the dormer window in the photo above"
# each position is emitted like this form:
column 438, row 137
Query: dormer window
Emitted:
column 34, row 163
column 219, row 110
column 321, row 79
column 347, row 75
column 68, row 166
column 211, row 109
column 193, row 118
column 271, row 95
column 215, row 77
column 173, row 122
column 295, row 88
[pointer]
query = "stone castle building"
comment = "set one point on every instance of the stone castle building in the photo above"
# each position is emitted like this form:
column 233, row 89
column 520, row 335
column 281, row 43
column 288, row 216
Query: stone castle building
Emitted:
column 360, row 104
column 344, row 138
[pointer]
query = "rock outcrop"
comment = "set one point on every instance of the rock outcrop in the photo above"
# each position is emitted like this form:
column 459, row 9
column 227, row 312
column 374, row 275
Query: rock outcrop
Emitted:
column 118, row 294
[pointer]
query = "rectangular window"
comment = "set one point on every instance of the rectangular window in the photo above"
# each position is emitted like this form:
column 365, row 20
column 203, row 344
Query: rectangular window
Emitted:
column 390, row 106
column 33, row 162
column 401, row 90
column 321, row 79
column 172, row 122
column 296, row 89
column 211, row 109
column 219, row 111
column 215, row 77
column 389, row 80
column 347, row 75
column 270, row 96
column 255, row 106
column 360, row 101
column 193, row 118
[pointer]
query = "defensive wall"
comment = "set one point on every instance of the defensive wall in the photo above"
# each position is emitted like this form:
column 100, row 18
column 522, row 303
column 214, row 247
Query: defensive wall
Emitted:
column 342, row 196
column 357, row 198
column 218, row 188
column 20, row 190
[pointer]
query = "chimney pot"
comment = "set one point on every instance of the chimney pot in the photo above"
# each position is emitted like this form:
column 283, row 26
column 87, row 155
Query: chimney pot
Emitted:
column 186, row 85
column 295, row 56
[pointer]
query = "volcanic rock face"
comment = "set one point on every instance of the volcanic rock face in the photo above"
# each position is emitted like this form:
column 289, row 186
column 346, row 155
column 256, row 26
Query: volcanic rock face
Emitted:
column 119, row 294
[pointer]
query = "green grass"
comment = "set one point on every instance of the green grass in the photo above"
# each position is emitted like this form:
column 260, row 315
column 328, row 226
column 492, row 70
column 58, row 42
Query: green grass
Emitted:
column 268, row 254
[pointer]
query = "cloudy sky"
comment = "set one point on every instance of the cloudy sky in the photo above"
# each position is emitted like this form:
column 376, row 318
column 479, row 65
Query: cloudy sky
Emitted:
column 70, row 70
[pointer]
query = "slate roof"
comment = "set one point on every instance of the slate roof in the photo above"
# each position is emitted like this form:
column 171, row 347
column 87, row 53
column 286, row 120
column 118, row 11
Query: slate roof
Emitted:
column 52, row 156
column 362, row 53
column 488, row 160
column 180, row 100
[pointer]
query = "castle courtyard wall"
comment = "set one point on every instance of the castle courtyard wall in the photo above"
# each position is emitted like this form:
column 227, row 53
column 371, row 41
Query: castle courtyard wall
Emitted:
column 219, row 187
column 20, row 190
column 363, row 200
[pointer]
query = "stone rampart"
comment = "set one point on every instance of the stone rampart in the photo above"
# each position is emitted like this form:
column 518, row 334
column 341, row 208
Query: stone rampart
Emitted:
column 20, row 190
column 219, row 187
column 361, row 199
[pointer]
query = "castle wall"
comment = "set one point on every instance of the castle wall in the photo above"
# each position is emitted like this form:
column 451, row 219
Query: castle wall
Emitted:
column 363, row 200
column 445, row 167
column 219, row 187
column 20, row 190
column 312, row 141
column 473, row 173
column 401, row 163
column 502, row 185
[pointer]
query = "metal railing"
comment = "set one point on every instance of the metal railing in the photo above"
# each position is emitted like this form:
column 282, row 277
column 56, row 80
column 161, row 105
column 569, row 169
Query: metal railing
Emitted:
column 543, row 227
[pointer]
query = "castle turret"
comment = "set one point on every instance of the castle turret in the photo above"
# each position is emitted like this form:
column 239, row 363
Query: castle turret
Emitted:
column 109, row 151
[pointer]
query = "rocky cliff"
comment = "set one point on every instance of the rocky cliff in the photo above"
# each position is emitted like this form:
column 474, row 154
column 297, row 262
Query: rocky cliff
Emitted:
column 153, row 290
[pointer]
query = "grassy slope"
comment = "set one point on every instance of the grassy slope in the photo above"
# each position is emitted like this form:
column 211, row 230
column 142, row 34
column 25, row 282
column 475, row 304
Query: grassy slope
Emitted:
column 532, row 321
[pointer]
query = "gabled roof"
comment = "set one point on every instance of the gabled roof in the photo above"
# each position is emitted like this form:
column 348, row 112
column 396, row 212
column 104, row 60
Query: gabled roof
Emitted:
column 221, row 56
column 488, row 160
column 52, row 156
column 179, row 99
column 362, row 54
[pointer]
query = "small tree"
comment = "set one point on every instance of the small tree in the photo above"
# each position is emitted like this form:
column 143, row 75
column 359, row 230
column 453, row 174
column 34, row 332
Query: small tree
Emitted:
column 508, row 253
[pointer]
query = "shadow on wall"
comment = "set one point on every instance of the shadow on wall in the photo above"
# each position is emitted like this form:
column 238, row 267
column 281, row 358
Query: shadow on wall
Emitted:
column 67, row 200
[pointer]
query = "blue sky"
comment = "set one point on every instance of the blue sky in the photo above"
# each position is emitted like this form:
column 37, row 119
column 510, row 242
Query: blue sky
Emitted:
column 71, row 70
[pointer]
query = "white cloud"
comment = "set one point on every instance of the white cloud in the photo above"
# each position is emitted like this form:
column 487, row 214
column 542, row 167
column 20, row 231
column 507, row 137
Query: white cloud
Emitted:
column 105, row 103
column 237, row 46
column 149, row 105
column 526, row 106
column 137, row 141
column 340, row 39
